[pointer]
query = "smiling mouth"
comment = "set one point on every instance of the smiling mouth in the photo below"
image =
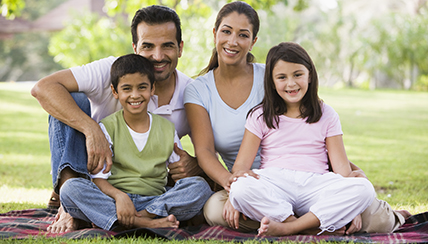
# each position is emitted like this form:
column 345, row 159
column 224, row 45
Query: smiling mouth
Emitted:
column 230, row 51
column 135, row 103
column 293, row 91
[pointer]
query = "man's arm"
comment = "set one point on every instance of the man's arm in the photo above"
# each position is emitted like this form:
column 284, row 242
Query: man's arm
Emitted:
column 53, row 94
column 187, row 166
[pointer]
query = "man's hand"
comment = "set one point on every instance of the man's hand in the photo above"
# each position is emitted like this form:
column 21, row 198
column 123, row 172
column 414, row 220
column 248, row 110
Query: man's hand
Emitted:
column 99, row 152
column 187, row 166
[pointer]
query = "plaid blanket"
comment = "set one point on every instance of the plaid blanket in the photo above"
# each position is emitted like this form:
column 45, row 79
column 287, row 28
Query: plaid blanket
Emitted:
column 34, row 222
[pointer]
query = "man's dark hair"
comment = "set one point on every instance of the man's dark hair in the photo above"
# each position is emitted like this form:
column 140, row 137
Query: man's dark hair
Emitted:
column 153, row 15
column 131, row 64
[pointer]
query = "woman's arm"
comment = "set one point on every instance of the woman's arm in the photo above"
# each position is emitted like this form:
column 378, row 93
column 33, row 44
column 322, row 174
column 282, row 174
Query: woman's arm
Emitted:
column 203, row 141
column 337, row 155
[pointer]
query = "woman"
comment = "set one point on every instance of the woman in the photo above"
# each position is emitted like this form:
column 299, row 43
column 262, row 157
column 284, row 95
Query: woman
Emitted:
column 218, row 102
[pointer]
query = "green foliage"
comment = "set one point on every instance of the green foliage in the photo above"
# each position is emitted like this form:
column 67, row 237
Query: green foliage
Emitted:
column 11, row 8
column 89, row 38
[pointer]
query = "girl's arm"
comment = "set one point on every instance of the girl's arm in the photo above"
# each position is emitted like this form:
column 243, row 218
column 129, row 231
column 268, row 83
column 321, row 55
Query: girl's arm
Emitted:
column 337, row 155
column 203, row 142
column 246, row 155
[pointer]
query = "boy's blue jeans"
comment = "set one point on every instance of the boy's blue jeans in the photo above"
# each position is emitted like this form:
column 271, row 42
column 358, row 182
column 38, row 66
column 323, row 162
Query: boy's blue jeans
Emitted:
column 67, row 145
column 185, row 200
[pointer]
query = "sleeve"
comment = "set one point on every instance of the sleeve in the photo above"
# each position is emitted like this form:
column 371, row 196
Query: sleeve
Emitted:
column 255, row 124
column 334, row 127
column 101, row 174
column 174, row 157
column 194, row 93
column 93, row 76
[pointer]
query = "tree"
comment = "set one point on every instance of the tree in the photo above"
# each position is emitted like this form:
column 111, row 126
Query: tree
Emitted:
column 11, row 8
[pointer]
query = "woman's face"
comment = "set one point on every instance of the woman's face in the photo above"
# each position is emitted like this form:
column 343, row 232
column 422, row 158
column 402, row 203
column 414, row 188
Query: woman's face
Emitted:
column 234, row 39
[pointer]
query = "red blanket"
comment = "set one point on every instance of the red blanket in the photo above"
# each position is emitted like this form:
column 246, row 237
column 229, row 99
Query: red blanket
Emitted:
column 34, row 222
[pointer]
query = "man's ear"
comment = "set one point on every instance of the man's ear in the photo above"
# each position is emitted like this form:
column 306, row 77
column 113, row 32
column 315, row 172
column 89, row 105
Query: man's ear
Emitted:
column 180, row 49
column 114, row 92
column 134, row 48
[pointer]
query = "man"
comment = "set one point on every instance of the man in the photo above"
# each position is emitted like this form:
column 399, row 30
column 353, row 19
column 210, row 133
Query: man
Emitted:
column 78, row 146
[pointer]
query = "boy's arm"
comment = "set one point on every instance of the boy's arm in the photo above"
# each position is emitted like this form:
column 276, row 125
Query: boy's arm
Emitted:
column 125, row 209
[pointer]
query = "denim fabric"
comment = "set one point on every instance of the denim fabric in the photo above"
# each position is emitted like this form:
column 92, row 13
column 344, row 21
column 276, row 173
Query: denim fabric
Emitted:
column 67, row 145
column 185, row 200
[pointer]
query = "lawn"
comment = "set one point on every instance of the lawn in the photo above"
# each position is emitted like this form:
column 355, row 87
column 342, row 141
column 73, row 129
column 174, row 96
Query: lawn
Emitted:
column 385, row 134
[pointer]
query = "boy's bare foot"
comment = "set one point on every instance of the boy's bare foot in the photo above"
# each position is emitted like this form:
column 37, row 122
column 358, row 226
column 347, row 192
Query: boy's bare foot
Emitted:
column 145, row 222
column 406, row 214
column 63, row 222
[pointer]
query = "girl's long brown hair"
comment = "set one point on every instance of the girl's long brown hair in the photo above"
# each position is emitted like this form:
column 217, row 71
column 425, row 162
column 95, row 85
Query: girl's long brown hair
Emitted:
column 273, row 105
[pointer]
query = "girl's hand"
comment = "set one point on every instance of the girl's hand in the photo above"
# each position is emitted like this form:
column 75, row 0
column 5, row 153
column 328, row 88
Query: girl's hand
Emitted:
column 125, row 211
column 355, row 226
column 236, row 175
column 231, row 215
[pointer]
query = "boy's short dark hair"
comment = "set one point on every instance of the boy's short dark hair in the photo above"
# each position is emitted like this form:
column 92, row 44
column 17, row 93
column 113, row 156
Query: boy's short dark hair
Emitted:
column 131, row 64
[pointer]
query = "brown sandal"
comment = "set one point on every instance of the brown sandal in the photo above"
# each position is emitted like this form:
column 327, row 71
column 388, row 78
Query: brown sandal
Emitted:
column 54, row 201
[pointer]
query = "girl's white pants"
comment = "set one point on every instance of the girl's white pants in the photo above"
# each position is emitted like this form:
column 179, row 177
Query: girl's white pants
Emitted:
column 280, row 193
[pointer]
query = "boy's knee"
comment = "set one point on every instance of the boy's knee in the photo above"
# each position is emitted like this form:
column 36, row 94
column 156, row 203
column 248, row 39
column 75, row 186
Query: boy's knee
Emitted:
column 70, row 188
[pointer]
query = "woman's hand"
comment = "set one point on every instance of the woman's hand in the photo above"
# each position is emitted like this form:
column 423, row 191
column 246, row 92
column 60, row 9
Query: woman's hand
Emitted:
column 231, row 215
column 236, row 175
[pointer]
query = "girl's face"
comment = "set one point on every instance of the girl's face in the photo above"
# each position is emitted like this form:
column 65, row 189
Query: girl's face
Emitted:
column 291, row 82
column 234, row 39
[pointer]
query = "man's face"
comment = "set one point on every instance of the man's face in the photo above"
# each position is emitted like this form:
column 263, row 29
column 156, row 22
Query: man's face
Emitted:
column 158, row 43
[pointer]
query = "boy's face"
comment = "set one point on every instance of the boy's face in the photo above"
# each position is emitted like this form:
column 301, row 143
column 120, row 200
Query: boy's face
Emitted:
column 134, row 92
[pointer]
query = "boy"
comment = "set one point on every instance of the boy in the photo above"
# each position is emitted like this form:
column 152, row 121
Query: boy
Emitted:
column 133, row 194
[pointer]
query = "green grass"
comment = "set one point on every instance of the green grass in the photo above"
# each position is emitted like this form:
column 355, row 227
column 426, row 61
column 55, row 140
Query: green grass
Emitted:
column 385, row 134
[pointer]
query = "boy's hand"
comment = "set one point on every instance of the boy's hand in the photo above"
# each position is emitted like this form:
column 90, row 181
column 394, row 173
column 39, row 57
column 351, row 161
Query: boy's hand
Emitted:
column 126, row 211
column 187, row 166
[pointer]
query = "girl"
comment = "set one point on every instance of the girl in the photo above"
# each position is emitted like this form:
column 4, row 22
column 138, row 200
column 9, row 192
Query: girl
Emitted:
column 298, row 134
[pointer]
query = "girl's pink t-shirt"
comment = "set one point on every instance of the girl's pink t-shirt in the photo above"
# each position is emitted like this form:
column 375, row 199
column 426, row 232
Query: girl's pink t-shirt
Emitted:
column 295, row 144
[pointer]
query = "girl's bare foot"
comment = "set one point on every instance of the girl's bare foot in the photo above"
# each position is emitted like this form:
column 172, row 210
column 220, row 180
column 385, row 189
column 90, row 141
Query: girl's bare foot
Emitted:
column 272, row 228
column 144, row 222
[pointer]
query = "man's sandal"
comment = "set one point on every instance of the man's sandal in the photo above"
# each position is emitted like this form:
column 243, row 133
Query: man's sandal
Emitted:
column 54, row 201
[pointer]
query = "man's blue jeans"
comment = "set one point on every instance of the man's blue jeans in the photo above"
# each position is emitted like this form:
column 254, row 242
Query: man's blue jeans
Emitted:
column 185, row 200
column 67, row 145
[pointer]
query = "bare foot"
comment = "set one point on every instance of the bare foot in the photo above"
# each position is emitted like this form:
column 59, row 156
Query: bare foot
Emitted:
column 63, row 222
column 271, row 228
column 406, row 214
column 144, row 222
